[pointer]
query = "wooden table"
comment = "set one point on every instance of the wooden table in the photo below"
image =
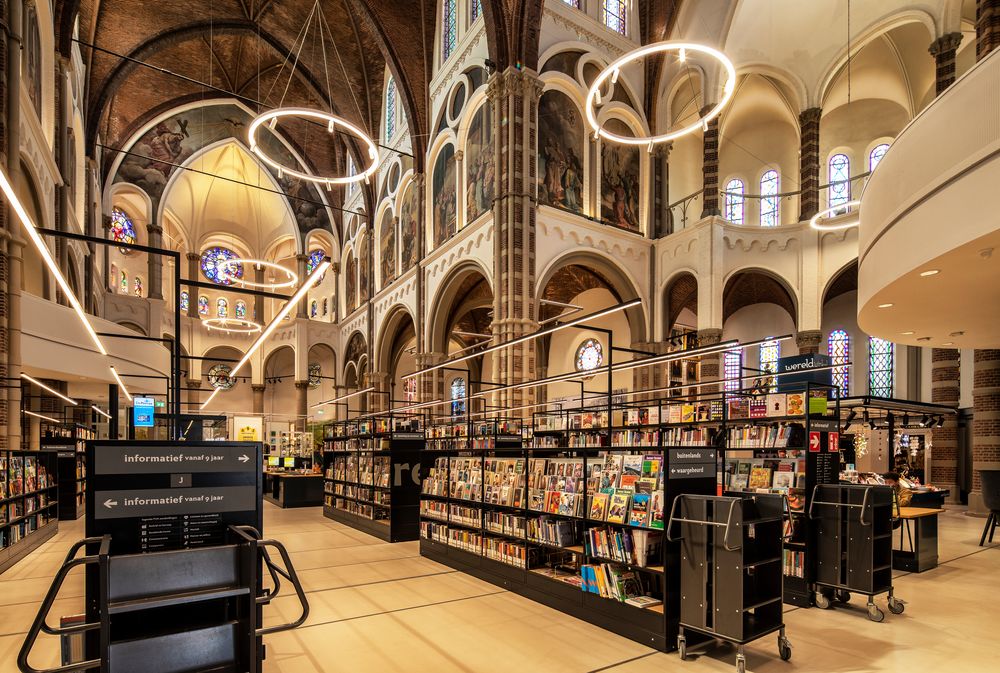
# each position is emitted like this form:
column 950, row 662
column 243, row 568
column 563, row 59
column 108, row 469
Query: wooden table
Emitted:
column 923, row 552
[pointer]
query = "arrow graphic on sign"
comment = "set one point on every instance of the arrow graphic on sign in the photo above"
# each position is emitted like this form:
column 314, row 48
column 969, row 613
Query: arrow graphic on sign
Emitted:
column 109, row 503
column 244, row 458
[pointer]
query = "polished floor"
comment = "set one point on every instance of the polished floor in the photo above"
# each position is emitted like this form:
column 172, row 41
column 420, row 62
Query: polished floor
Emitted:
column 382, row 608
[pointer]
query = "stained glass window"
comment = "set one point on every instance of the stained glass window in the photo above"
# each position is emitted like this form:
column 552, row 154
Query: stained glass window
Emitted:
column 770, row 351
column 477, row 9
column 734, row 201
column 241, row 309
column 313, row 308
column 185, row 301
column 449, row 29
column 769, row 199
column 219, row 377
column 457, row 396
column 839, row 178
column 326, row 306
column 315, row 374
column 410, row 390
column 351, row 172
column 203, row 305
column 137, row 286
column 838, row 347
column 572, row 3
column 316, row 257
column 122, row 229
column 732, row 368
column 222, row 308
column 589, row 355
column 390, row 109
column 615, row 15
column 876, row 155
column 123, row 283
column 880, row 367
column 215, row 266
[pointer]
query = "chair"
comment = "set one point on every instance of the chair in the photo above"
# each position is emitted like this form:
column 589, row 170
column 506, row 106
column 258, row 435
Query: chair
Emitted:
column 990, row 480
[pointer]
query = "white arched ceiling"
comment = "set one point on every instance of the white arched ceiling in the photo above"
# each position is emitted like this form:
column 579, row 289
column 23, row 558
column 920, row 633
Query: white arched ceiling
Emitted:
column 217, row 205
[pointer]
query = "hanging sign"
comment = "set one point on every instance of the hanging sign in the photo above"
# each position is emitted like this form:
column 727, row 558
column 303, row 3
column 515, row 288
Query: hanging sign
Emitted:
column 143, row 409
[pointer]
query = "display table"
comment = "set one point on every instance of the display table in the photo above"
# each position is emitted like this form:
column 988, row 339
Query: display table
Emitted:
column 933, row 498
column 287, row 489
column 923, row 539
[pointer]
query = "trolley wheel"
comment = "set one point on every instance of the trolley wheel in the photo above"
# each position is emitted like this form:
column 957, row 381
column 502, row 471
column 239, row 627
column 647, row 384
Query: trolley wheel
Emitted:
column 896, row 606
column 843, row 596
column 822, row 600
column 741, row 664
column 874, row 613
column 784, row 648
column 682, row 647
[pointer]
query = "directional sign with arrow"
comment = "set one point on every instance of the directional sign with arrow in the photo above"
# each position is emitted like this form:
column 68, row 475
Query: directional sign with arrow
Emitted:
column 173, row 459
column 814, row 442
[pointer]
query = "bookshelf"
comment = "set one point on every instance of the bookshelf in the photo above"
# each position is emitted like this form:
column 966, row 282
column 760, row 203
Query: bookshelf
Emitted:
column 371, row 475
column 573, row 518
column 70, row 444
column 28, row 503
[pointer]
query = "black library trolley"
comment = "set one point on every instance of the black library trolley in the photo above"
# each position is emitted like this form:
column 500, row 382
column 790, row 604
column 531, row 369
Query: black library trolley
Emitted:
column 69, row 444
column 28, row 503
column 371, row 475
column 730, row 570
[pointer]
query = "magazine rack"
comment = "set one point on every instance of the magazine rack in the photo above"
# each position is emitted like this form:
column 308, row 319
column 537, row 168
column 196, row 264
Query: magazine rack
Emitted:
column 731, row 551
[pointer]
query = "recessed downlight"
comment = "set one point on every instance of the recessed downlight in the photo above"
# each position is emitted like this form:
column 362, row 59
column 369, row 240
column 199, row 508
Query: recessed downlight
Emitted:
column 930, row 272
column 885, row 305
column 923, row 338
column 907, row 333
column 948, row 343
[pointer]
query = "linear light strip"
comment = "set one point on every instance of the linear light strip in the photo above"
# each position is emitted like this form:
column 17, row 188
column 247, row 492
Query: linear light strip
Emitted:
column 44, row 418
column 46, row 255
column 527, row 337
column 45, row 387
column 311, row 281
column 102, row 412
column 344, row 397
column 411, row 407
column 121, row 384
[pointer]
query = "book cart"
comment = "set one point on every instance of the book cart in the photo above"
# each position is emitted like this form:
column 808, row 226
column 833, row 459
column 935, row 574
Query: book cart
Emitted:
column 371, row 470
column 854, row 544
column 786, row 443
column 28, row 503
column 730, row 572
column 70, row 444
column 573, row 519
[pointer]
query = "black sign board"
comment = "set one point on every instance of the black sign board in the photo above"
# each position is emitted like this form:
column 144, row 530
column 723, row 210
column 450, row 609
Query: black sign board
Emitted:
column 795, row 371
column 155, row 496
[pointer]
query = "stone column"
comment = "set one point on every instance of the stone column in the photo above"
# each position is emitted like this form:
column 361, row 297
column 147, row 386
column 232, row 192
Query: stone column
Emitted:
column 258, row 301
column 301, row 404
column 193, row 258
column 154, row 263
column 945, row 379
column 809, row 162
column 987, row 27
column 430, row 386
column 661, row 223
column 514, row 95
column 985, row 422
column 711, row 365
column 808, row 341
column 647, row 378
column 943, row 50
column 302, row 310
column 258, row 397
column 710, row 167
column 381, row 395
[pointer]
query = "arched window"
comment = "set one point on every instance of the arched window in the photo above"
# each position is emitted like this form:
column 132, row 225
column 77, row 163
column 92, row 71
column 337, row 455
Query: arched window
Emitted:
column 390, row 109
column 572, row 3
column 222, row 307
column 614, row 15
column 880, row 367
column 838, row 347
column 876, row 155
column 122, row 229
column 732, row 368
column 217, row 267
column 316, row 257
column 770, row 351
column 185, row 301
column 241, row 309
column 457, row 396
column 137, row 286
column 123, row 283
column 326, row 305
column 839, row 178
column 352, row 170
column 312, row 308
column 589, row 355
column 769, row 199
column 476, row 9
column 734, row 201
column 203, row 305
column 449, row 28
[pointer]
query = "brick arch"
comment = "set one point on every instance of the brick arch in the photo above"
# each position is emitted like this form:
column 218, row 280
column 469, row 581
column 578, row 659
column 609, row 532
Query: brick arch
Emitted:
column 513, row 28
column 680, row 294
column 844, row 281
column 357, row 349
column 467, row 289
column 756, row 286
column 397, row 328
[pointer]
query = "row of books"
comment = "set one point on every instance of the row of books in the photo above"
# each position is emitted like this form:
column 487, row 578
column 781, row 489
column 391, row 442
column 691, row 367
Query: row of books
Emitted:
column 617, row 583
column 622, row 506
column 20, row 475
column 360, row 509
column 765, row 474
column 15, row 509
column 368, row 470
column 366, row 494
column 793, row 563
column 558, row 532
column 505, row 524
column 766, row 436
column 637, row 547
column 16, row 532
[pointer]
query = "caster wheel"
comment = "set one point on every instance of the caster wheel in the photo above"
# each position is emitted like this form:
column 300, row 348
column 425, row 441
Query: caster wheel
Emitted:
column 741, row 665
column 843, row 596
column 822, row 600
column 681, row 647
column 875, row 614
column 896, row 606
column 784, row 648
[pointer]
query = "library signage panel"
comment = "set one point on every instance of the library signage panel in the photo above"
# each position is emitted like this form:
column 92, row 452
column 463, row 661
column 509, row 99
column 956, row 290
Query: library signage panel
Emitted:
column 128, row 459
column 693, row 456
column 795, row 374
column 692, row 471
column 143, row 409
column 164, row 502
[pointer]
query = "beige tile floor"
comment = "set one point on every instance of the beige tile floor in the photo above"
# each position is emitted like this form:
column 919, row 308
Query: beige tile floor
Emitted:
column 382, row 608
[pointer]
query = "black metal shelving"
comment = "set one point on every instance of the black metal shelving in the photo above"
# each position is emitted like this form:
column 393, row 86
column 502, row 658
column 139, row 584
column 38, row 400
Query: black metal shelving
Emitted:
column 28, row 503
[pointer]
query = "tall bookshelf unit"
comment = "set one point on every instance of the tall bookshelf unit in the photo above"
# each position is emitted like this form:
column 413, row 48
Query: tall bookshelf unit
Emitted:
column 28, row 503
column 69, row 444
column 371, row 475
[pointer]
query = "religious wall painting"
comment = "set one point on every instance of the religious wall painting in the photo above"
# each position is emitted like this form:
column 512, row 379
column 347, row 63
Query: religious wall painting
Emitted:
column 445, row 203
column 619, row 180
column 363, row 269
column 409, row 240
column 32, row 55
column 351, row 284
column 480, row 163
column 387, row 241
column 560, row 152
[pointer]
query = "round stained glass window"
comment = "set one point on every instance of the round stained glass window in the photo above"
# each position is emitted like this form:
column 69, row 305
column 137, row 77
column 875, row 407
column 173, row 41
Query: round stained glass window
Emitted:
column 315, row 374
column 590, row 355
column 218, row 377
column 214, row 266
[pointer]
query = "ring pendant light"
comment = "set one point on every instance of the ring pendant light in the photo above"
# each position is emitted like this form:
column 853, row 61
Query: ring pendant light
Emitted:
column 232, row 325
column 291, row 280
column 823, row 220
column 613, row 71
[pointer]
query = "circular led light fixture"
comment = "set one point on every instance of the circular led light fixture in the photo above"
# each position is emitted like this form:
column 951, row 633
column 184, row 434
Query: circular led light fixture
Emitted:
column 332, row 122
column 613, row 71
column 820, row 221
column 232, row 325
column 291, row 281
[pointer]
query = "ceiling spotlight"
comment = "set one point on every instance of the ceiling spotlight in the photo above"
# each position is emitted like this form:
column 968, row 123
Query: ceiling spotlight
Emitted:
column 906, row 420
column 940, row 421
column 865, row 417
column 930, row 272
column 925, row 421
column 872, row 423
column 889, row 305
column 852, row 415
column 948, row 343
column 956, row 334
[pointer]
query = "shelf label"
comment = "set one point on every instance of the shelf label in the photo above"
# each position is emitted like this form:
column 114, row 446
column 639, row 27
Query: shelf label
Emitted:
column 705, row 455
column 833, row 443
column 692, row 471
column 172, row 459
column 136, row 503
